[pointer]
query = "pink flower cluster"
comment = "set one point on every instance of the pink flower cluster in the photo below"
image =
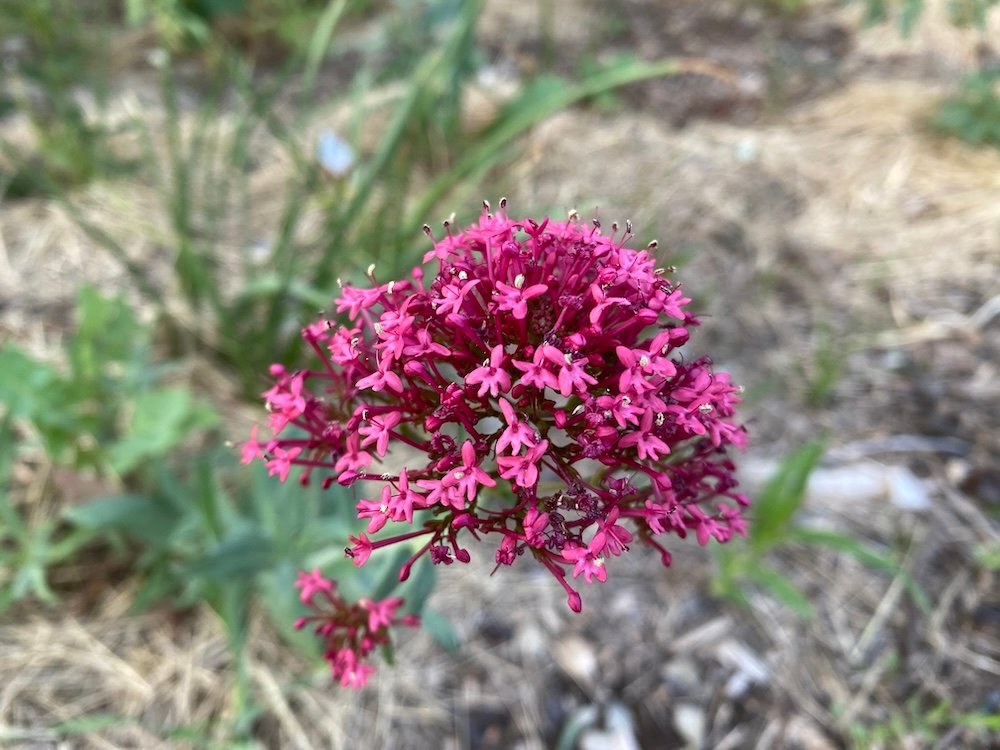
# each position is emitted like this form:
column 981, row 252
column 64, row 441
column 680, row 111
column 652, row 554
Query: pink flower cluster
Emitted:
column 535, row 391
column 350, row 632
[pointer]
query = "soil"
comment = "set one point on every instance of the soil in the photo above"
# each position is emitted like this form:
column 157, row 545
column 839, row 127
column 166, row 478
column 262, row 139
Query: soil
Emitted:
column 845, row 261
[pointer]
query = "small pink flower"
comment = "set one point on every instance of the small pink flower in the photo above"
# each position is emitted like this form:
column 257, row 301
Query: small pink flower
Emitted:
column 353, row 458
column 311, row 584
column 572, row 377
column 468, row 477
column 515, row 298
column 586, row 563
column 282, row 461
column 516, row 434
column 251, row 448
column 380, row 614
column 523, row 469
column 379, row 430
column 381, row 379
column 376, row 511
column 453, row 297
column 401, row 505
column 492, row 376
column 535, row 374
column 361, row 548
column 647, row 444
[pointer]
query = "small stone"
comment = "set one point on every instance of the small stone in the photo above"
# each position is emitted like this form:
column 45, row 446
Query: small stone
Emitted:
column 689, row 721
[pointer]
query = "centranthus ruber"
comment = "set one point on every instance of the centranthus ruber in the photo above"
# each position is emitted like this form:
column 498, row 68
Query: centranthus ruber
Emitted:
column 535, row 386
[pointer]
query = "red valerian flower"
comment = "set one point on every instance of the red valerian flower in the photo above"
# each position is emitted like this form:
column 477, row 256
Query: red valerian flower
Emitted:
column 349, row 631
column 534, row 387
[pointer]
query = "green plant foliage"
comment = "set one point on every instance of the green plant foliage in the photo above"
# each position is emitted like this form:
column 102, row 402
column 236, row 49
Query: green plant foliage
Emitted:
column 28, row 547
column 102, row 412
column 373, row 214
column 59, row 51
column 908, row 12
column 105, row 411
column 920, row 725
column 201, row 529
column 781, row 7
column 773, row 527
column 973, row 115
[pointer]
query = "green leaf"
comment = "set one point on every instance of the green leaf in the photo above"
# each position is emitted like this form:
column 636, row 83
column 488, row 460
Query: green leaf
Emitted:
column 320, row 43
column 281, row 600
column 440, row 629
column 241, row 555
column 420, row 585
column 382, row 577
column 977, row 721
column 161, row 420
column 781, row 588
column 134, row 515
column 107, row 333
column 988, row 556
column 866, row 554
column 27, row 385
column 782, row 495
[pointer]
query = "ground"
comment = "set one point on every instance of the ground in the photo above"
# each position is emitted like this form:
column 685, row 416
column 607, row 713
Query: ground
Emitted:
column 845, row 261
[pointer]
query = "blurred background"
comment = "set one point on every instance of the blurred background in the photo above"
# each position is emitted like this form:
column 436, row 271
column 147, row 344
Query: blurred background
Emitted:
column 182, row 182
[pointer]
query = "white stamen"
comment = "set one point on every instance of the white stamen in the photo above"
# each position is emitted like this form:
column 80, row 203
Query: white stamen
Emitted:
column 705, row 408
column 643, row 361
column 371, row 269
column 519, row 281
column 660, row 419
column 462, row 275
column 568, row 357
column 391, row 286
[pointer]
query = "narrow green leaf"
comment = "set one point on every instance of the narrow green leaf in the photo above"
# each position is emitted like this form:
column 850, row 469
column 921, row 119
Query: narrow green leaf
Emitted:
column 281, row 600
column 781, row 588
column 543, row 98
column 781, row 497
column 137, row 516
column 319, row 43
column 867, row 555
column 241, row 555
column 440, row 629
column 420, row 585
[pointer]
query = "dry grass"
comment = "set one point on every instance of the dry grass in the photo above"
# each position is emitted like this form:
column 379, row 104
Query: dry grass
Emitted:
column 841, row 218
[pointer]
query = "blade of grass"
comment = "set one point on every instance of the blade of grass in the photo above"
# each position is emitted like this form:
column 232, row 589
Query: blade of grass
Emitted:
column 421, row 85
column 782, row 496
column 781, row 588
column 865, row 554
column 318, row 45
column 541, row 100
